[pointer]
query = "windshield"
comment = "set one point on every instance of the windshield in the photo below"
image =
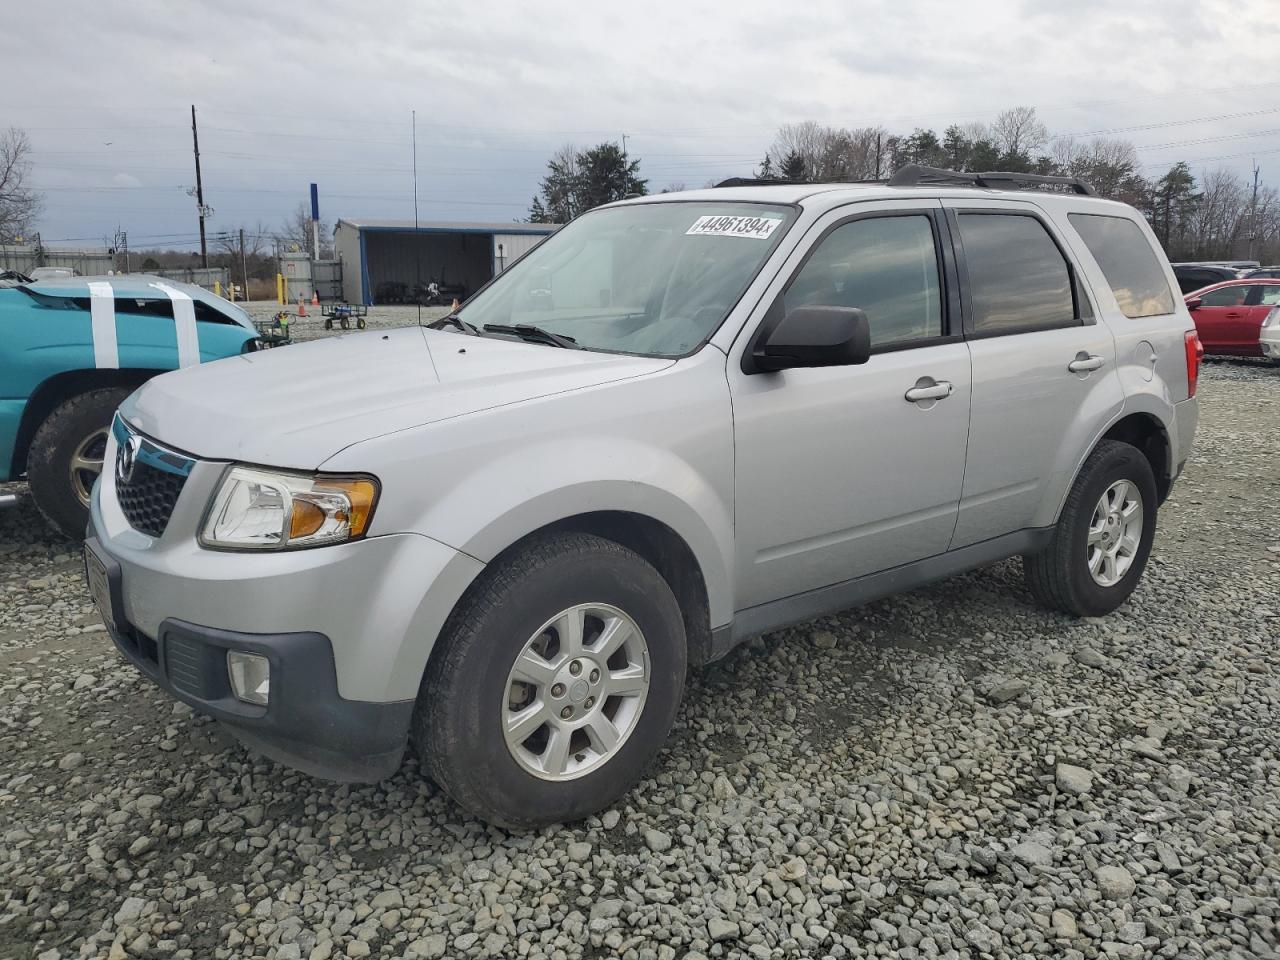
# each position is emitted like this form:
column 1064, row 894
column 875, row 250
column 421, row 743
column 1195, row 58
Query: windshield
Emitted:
column 653, row 278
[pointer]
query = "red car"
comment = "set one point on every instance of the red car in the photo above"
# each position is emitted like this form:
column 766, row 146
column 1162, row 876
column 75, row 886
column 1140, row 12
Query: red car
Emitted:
column 1230, row 316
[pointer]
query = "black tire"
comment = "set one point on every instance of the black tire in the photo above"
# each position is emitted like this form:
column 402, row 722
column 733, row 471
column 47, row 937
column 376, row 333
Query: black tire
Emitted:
column 360, row 324
column 345, row 323
column 1059, row 576
column 55, row 442
column 328, row 323
column 457, row 724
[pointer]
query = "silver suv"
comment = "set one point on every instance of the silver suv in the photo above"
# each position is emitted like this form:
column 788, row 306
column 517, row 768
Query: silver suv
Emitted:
column 678, row 422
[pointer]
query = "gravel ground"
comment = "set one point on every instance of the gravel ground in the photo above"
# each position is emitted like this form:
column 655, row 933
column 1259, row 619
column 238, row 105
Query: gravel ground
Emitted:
column 949, row 773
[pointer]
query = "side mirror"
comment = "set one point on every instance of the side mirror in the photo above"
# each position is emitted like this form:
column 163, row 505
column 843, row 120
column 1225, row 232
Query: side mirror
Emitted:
column 813, row 336
column 1194, row 304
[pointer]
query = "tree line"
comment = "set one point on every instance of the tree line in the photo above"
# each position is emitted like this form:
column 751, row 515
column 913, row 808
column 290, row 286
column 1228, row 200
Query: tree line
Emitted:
column 1212, row 217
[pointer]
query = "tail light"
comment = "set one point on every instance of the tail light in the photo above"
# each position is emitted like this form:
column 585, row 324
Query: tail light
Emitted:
column 1195, row 353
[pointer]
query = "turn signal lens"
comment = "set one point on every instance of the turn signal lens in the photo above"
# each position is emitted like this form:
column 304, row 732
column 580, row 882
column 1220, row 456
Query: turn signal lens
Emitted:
column 1195, row 353
column 361, row 495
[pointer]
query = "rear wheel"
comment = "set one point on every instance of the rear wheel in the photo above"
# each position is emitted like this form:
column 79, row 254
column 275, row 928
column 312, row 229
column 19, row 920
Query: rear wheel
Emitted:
column 66, row 457
column 557, row 681
column 1103, row 537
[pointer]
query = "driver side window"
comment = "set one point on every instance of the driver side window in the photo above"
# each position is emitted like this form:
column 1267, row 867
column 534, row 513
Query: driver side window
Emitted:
column 885, row 266
column 1224, row 297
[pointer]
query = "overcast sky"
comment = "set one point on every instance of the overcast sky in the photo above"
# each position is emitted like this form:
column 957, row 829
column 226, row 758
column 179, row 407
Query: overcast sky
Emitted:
column 287, row 94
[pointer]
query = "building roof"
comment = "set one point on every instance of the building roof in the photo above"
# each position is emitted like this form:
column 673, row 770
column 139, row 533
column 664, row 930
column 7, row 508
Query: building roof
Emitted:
column 448, row 226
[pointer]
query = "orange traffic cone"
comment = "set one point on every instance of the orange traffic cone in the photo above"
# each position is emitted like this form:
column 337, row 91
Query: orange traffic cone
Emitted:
column 315, row 298
column 302, row 307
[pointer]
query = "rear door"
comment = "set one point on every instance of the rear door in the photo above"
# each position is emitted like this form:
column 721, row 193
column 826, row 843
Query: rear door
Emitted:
column 1043, row 367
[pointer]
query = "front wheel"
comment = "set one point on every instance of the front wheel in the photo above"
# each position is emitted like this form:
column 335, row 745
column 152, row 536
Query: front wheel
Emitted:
column 556, row 682
column 1103, row 537
column 66, row 457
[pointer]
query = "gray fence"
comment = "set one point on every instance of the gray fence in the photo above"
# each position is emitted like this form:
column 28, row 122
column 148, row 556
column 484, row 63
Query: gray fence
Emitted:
column 25, row 257
column 205, row 277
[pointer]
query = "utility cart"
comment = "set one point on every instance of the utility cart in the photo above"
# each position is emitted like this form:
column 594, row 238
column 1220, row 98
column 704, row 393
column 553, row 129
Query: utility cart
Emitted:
column 345, row 314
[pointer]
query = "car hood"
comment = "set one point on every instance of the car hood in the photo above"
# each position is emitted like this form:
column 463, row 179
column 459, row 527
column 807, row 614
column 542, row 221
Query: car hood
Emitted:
column 296, row 406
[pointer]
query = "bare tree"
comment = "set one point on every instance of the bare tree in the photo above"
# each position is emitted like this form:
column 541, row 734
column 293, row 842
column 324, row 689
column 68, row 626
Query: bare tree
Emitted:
column 19, row 203
column 295, row 233
column 1019, row 131
column 829, row 153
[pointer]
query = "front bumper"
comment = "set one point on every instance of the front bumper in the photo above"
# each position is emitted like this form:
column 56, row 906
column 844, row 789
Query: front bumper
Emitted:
column 351, row 627
column 1269, row 340
column 306, row 723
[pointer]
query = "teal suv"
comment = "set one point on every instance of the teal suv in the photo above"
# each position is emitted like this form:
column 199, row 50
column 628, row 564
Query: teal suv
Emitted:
column 71, row 349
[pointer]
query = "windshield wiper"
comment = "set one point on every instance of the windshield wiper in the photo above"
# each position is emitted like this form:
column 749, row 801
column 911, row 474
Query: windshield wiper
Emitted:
column 455, row 320
column 526, row 331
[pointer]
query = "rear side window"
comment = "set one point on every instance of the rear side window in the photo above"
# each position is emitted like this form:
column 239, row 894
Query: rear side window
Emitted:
column 1018, row 278
column 1128, row 263
column 885, row 266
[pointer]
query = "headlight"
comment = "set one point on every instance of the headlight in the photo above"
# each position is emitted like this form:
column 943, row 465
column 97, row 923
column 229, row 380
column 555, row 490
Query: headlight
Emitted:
column 263, row 510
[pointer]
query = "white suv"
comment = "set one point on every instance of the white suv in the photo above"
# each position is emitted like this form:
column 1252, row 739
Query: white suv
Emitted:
column 678, row 422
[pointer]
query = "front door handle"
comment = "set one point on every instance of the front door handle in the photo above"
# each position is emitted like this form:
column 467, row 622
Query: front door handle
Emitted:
column 1084, row 363
column 930, row 391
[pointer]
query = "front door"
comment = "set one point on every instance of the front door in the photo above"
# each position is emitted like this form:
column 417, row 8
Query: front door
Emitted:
column 1224, row 322
column 1044, row 373
column 844, row 471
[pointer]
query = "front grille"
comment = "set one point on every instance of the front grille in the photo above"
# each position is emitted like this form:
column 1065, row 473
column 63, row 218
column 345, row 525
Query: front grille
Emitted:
column 147, row 498
column 149, row 478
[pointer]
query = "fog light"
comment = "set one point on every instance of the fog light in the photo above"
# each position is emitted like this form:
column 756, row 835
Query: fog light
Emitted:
column 250, row 676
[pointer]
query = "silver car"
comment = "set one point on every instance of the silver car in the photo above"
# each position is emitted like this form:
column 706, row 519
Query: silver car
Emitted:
column 678, row 422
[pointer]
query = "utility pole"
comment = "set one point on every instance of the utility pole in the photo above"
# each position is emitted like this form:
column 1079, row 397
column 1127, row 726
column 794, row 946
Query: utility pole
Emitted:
column 244, row 268
column 195, row 143
column 1253, row 211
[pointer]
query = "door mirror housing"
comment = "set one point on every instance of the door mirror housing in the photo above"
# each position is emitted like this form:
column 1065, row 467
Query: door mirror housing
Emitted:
column 814, row 336
column 1194, row 304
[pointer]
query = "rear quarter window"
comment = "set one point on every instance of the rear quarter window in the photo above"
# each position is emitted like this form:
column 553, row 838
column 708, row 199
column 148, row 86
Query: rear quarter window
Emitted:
column 1127, row 261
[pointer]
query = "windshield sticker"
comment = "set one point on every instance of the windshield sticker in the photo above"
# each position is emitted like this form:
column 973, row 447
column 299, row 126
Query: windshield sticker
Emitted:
column 755, row 228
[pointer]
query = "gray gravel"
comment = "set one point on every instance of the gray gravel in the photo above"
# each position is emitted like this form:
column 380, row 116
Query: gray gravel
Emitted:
column 950, row 773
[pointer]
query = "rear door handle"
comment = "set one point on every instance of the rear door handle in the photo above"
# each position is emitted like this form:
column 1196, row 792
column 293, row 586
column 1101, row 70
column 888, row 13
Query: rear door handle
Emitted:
column 933, row 391
column 1085, row 363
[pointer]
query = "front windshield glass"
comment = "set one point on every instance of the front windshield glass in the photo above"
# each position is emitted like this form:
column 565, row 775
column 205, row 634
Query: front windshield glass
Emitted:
column 652, row 278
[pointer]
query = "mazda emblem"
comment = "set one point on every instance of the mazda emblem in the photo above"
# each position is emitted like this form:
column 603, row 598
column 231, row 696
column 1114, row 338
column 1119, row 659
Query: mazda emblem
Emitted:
column 127, row 459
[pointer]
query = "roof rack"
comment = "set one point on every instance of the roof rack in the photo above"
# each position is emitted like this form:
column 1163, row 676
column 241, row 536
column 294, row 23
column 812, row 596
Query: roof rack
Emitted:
column 916, row 175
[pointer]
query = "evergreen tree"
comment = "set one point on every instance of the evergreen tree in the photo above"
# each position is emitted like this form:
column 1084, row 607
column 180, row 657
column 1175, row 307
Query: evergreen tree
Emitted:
column 576, row 181
column 793, row 167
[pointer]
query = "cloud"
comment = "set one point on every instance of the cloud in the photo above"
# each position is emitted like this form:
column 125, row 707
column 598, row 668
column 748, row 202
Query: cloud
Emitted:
column 697, row 86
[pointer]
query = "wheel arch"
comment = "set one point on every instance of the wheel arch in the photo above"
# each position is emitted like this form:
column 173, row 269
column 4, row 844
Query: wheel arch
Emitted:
column 56, row 390
column 656, row 542
column 1145, row 431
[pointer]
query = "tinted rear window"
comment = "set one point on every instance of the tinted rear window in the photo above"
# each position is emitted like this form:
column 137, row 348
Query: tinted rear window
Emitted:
column 1128, row 263
column 1018, row 279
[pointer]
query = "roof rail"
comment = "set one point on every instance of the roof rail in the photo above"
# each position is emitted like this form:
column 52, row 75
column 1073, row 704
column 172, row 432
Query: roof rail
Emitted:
column 757, row 182
column 916, row 175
